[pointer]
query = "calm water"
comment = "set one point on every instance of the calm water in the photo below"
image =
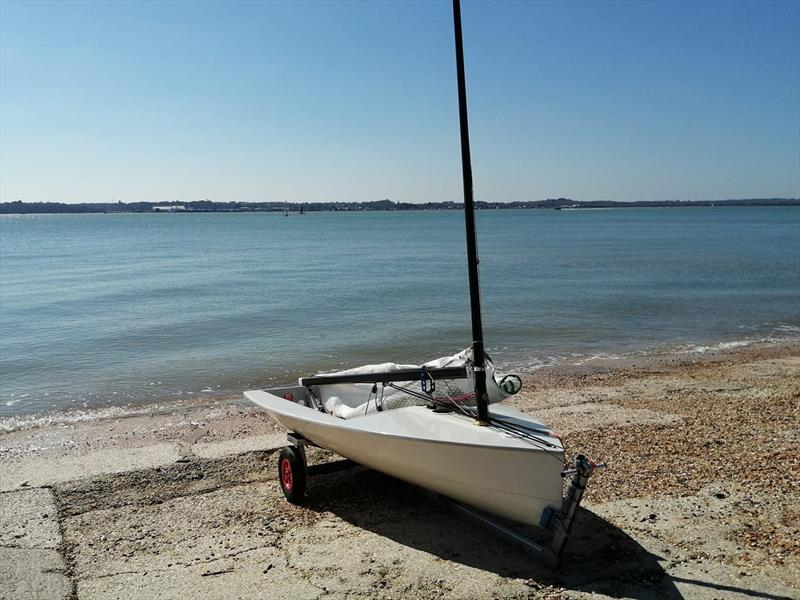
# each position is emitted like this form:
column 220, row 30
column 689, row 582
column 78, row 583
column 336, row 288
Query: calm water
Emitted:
column 117, row 309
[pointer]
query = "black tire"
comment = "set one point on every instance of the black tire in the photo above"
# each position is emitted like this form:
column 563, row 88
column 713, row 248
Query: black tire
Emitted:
column 292, row 474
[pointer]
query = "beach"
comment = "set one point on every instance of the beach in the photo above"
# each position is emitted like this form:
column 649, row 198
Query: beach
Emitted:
column 699, row 499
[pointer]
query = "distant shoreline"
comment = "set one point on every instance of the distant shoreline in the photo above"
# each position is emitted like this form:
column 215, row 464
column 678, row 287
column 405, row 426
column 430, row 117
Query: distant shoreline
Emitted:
column 19, row 207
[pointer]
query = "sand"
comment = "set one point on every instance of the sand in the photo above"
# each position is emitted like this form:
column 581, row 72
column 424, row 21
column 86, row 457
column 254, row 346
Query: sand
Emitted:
column 700, row 499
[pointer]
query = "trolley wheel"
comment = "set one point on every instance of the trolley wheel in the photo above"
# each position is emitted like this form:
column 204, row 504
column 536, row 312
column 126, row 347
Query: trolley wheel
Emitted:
column 292, row 474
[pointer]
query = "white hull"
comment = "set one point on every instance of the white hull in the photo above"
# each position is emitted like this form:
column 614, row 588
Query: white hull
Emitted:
column 444, row 452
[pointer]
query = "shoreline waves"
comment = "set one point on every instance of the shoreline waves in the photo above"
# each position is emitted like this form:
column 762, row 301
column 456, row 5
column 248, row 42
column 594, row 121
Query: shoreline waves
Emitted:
column 571, row 364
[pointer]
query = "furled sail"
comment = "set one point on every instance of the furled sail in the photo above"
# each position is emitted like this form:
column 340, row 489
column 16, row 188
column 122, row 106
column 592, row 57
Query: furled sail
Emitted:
column 348, row 400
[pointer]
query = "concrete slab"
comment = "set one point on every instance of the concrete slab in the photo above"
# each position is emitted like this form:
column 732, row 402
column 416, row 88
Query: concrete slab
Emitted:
column 221, row 528
column 31, row 567
column 269, row 441
column 28, row 519
column 163, row 534
column 32, row 574
column 253, row 575
column 247, row 542
column 49, row 471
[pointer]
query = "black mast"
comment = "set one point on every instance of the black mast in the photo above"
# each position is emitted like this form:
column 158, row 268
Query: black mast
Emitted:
column 469, row 218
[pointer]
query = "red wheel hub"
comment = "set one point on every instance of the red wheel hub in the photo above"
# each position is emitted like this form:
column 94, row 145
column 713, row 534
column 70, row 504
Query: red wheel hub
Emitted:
column 286, row 474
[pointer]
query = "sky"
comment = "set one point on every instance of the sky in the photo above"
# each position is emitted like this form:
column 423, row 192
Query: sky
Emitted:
column 356, row 101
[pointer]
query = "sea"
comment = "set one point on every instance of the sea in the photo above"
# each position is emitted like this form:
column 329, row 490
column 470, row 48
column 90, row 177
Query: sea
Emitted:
column 122, row 311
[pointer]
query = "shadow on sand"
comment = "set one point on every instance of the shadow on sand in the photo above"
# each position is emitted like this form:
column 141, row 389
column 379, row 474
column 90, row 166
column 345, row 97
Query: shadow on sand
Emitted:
column 599, row 557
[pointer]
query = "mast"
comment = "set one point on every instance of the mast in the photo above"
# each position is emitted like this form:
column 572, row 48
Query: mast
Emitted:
column 469, row 218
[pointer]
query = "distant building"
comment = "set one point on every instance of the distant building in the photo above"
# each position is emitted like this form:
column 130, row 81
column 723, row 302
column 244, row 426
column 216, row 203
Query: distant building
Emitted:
column 171, row 208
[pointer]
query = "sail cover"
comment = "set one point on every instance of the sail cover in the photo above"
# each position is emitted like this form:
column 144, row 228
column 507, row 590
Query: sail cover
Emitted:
column 348, row 400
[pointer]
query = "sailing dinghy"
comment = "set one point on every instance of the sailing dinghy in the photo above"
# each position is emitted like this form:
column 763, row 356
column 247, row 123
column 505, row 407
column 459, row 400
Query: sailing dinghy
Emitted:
column 418, row 423
column 438, row 425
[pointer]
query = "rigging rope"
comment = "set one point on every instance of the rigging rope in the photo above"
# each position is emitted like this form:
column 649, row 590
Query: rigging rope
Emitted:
column 510, row 428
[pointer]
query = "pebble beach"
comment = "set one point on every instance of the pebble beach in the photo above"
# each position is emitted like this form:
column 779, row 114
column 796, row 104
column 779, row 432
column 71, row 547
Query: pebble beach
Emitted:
column 699, row 500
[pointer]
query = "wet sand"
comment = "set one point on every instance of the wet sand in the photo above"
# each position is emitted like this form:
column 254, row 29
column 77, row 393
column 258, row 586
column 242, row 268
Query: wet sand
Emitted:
column 700, row 500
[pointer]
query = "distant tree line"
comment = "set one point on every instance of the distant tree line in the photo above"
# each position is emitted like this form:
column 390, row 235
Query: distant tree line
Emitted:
column 20, row 207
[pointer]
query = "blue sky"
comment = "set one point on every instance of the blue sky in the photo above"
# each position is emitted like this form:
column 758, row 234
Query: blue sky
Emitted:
column 327, row 101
